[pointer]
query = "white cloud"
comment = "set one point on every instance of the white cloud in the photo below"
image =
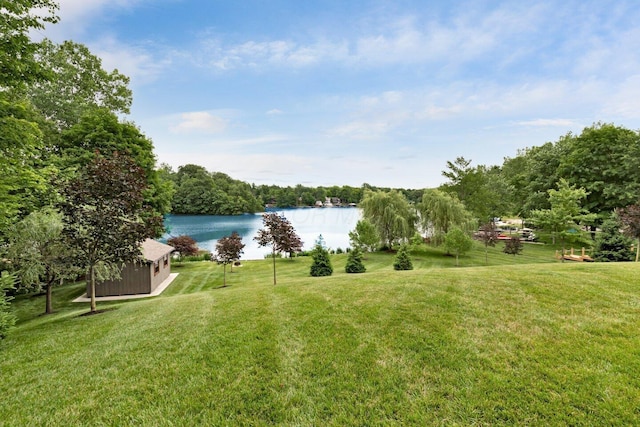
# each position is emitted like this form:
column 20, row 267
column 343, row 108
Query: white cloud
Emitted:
column 274, row 112
column 565, row 123
column 200, row 121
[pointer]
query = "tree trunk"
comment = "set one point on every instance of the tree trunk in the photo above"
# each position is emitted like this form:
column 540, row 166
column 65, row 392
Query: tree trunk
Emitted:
column 224, row 275
column 92, row 288
column 274, row 266
column 48, row 305
column 638, row 249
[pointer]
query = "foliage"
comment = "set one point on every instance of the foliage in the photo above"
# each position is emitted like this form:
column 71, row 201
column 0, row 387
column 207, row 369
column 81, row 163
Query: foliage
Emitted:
column 457, row 242
column 184, row 245
column 78, row 83
column 391, row 214
column 565, row 214
column 38, row 254
column 228, row 250
column 23, row 186
column 105, row 218
column 402, row 260
column 354, row 261
column 201, row 192
column 100, row 133
column 321, row 265
column 513, row 246
column 364, row 236
column 611, row 244
column 17, row 56
column 440, row 212
column 7, row 319
column 630, row 219
column 278, row 233
column 604, row 160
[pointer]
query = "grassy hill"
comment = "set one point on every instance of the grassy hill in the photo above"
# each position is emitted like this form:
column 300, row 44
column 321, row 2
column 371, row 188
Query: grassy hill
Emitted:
column 524, row 341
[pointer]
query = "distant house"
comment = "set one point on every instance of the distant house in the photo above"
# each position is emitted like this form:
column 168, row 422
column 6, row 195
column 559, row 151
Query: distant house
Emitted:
column 141, row 277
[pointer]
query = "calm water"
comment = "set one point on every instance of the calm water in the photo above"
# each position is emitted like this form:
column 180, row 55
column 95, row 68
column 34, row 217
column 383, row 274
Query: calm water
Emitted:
column 333, row 223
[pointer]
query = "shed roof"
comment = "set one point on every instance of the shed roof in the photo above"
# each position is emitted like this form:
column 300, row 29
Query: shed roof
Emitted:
column 153, row 250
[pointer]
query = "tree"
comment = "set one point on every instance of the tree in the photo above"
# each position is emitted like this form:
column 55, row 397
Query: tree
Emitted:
column 488, row 234
column 565, row 213
column 364, row 236
column 440, row 212
column 604, row 160
column 37, row 252
column 391, row 214
column 513, row 246
column 17, row 56
column 105, row 218
column 184, row 245
column 23, row 184
column 228, row 250
column 402, row 260
column 7, row 319
column 457, row 242
column 611, row 244
column 278, row 233
column 321, row 265
column 630, row 219
column 78, row 83
column 354, row 261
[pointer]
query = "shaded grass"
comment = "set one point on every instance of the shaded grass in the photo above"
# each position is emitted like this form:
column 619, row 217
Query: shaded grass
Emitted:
column 526, row 344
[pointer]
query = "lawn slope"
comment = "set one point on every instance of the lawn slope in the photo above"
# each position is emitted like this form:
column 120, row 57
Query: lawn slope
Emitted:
column 546, row 344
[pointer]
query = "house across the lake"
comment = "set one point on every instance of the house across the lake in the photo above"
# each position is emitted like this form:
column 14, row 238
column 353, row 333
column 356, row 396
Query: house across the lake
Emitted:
column 142, row 277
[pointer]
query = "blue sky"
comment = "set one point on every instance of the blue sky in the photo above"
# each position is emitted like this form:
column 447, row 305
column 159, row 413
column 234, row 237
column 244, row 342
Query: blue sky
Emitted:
column 351, row 91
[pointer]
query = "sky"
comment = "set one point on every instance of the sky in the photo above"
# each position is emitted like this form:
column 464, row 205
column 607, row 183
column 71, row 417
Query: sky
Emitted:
column 346, row 92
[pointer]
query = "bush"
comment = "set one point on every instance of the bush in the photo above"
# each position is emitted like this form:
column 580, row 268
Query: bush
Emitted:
column 513, row 246
column 339, row 251
column 321, row 265
column 402, row 260
column 354, row 262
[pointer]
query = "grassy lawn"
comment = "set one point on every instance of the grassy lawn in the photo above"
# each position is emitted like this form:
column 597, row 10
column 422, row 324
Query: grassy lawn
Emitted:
column 522, row 341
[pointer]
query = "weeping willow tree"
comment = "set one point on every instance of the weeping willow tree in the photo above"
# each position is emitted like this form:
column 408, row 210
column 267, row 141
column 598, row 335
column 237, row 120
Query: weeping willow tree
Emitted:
column 391, row 214
column 440, row 212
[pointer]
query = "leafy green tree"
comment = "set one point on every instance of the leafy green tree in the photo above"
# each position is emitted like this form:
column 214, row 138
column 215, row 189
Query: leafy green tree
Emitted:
column 279, row 234
column 630, row 219
column 354, row 261
column 364, row 236
column 228, row 250
column 100, row 133
column 37, row 252
column 604, row 161
column 513, row 246
column 611, row 244
column 439, row 212
column 23, row 177
column 321, row 265
column 457, row 242
column 105, row 218
column 565, row 214
column 17, row 55
column 78, row 83
column 7, row 318
column 391, row 214
column 402, row 261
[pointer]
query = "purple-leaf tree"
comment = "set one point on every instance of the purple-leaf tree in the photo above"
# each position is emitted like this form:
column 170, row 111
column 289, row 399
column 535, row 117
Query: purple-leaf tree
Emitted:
column 278, row 233
column 228, row 250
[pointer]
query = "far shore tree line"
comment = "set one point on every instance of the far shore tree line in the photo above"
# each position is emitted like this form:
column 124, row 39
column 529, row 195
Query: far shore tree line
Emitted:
column 80, row 188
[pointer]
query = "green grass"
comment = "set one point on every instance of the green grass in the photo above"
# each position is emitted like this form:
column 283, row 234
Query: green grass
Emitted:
column 528, row 342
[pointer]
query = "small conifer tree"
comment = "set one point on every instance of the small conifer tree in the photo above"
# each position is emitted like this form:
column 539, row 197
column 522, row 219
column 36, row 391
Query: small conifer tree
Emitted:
column 513, row 246
column 402, row 260
column 321, row 265
column 354, row 262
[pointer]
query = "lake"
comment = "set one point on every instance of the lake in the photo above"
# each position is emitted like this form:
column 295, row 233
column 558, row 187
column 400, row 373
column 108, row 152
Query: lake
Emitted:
column 333, row 223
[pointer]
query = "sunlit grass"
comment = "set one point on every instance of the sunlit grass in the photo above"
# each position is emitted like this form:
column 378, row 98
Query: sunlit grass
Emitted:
column 513, row 344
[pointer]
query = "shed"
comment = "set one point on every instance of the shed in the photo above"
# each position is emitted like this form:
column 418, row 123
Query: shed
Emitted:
column 141, row 277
